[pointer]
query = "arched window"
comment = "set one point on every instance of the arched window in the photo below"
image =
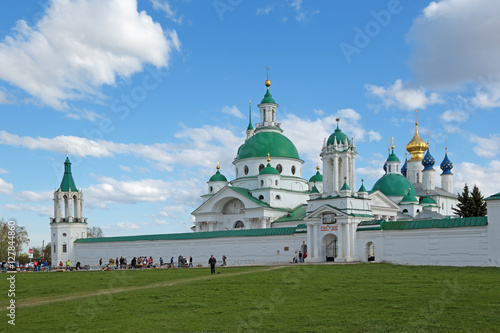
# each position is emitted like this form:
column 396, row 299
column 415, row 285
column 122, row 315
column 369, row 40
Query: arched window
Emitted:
column 54, row 248
column 211, row 189
column 418, row 177
column 238, row 225
column 293, row 169
column 261, row 197
column 261, row 183
column 246, row 170
column 276, row 182
column 65, row 248
column 278, row 197
column 64, row 234
column 279, row 168
column 405, row 210
column 418, row 210
column 261, row 167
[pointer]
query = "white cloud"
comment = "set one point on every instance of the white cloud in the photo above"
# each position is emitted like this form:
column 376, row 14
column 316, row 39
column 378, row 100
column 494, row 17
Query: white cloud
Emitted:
column 454, row 116
column 3, row 98
column 83, row 114
column 78, row 46
column 265, row 10
column 374, row 136
column 456, row 42
column 479, row 175
column 488, row 94
column 309, row 143
column 35, row 196
column 198, row 147
column 121, row 226
column 2, row 171
column 125, row 168
column 486, row 147
column 164, row 6
column 5, row 188
column 302, row 13
column 403, row 97
column 112, row 191
column 233, row 111
column 41, row 210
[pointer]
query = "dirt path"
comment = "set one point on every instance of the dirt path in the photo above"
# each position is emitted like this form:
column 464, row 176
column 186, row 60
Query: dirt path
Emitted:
column 36, row 302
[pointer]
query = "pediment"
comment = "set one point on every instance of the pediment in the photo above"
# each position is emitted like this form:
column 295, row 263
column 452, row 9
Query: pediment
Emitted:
column 324, row 209
column 379, row 199
column 218, row 201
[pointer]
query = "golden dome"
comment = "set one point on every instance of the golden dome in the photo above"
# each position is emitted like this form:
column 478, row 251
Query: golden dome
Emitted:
column 268, row 83
column 416, row 147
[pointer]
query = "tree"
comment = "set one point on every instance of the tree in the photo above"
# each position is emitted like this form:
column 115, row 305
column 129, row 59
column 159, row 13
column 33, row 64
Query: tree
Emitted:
column 469, row 206
column 478, row 204
column 94, row 232
column 11, row 234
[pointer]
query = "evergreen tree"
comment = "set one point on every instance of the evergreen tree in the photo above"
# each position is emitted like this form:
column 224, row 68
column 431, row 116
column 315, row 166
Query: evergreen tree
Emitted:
column 464, row 206
column 478, row 204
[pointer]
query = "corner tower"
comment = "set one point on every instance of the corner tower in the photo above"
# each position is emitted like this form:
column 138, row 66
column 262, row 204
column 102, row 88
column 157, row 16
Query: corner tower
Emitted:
column 68, row 223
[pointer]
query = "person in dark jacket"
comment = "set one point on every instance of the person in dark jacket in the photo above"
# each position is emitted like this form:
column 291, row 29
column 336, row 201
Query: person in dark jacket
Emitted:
column 212, row 261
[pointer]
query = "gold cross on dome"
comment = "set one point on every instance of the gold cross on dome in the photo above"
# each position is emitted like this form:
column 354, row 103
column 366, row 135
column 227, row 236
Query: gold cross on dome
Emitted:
column 267, row 70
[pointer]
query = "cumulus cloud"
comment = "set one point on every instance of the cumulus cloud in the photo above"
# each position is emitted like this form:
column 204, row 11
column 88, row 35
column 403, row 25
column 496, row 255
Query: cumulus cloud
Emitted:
column 486, row 147
column 35, row 196
column 404, row 98
column 41, row 210
column 309, row 143
column 5, row 188
column 450, row 119
column 480, row 175
column 121, row 226
column 165, row 7
column 233, row 111
column 455, row 42
column 198, row 147
column 80, row 45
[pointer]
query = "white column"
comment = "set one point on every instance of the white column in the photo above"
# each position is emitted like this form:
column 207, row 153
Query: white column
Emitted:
column 345, row 241
column 353, row 174
column 197, row 224
column 316, row 241
column 351, row 240
column 263, row 223
column 210, row 225
column 335, row 177
column 309, row 239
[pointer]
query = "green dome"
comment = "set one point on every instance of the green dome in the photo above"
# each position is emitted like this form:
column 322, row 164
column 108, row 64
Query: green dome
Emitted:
column 427, row 201
column 394, row 184
column 67, row 183
column 316, row 178
column 409, row 198
column 269, row 170
column 218, row 177
column 262, row 143
column 393, row 158
column 341, row 137
column 268, row 98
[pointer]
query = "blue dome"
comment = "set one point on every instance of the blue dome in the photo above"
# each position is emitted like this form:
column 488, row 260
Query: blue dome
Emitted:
column 446, row 165
column 385, row 167
column 404, row 168
column 428, row 161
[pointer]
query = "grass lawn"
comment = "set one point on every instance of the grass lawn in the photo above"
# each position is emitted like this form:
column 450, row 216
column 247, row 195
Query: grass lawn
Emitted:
column 301, row 298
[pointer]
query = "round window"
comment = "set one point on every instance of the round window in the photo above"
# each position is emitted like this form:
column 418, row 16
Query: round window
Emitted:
column 64, row 234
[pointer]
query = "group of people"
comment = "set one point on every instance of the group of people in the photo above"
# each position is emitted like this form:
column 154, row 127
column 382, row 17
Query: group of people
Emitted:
column 213, row 262
column 38, row 265
column 147, row 262
column 300, row 257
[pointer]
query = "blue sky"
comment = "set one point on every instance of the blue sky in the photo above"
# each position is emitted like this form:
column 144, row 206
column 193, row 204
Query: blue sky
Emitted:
column 147, row 96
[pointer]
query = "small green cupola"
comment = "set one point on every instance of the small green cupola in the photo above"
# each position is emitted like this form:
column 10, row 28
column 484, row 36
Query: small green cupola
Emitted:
column 218, row 177
column 337, row 137
column 268, row 98
column 67, row 184
column 317, row 177
column 269, row 170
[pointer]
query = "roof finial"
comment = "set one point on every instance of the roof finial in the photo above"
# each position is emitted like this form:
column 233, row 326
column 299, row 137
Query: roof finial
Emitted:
column 268, row 82
column 337, row 120
column 446, row 145
column 392, row 147
column 389, row 146
column 317, row 167
column 218, row 166
column 268, row 158
column 416, row 117
column 250, row 127
column 67, row 150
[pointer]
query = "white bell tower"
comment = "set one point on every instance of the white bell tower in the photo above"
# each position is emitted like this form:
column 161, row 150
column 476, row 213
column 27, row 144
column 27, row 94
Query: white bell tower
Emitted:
column 338, row 156
column 68, row 223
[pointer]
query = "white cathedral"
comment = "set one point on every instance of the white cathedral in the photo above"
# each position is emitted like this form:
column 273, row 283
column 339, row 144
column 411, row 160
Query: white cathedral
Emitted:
column 269, row 214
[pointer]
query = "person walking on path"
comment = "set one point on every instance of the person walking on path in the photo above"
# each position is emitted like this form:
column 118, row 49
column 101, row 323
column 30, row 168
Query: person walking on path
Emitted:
column 67, row 265
column 212, row 261
column 224, row 260
column 100, row 262
column 190, row 261
column 161, row 262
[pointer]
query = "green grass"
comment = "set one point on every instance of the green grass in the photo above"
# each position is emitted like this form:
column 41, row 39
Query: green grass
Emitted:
column 303, row 298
